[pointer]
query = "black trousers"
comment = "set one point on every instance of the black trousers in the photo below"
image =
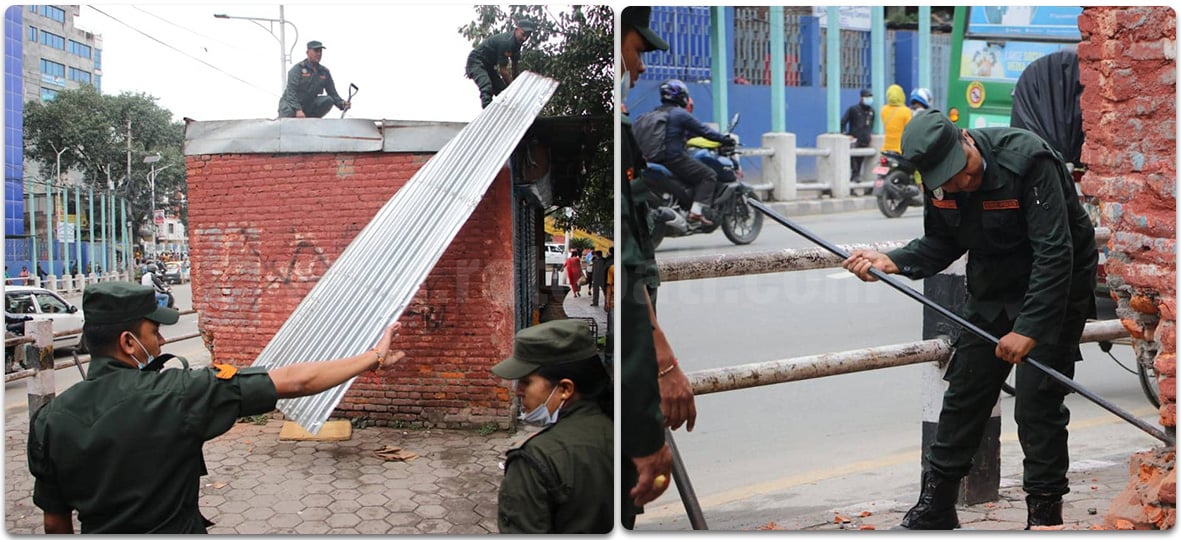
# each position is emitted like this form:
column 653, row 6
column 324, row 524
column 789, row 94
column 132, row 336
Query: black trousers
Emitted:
column 855, row 162
column 694, row 174
column 317, row 108
column 975, row 377
column 487, row 80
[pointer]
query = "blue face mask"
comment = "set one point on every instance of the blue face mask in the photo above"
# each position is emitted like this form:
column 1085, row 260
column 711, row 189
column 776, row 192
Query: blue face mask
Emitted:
column 149, row 355
column 867, row 101
column 541, row 416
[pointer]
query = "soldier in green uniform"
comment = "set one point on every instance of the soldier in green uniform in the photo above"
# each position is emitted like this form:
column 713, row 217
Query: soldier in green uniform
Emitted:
column 561, row 478
column 305, row 81
column 489, row 63
column 656, row 393
column 1006, row 198
column 123, row 447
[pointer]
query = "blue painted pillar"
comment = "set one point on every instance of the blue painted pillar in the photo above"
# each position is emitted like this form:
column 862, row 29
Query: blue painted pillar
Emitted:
column 78, row 229
column 778, row 67
column 90, row 223
column 832, row 68
column 809, row 51
column 32, row 206
column 877, row 67
column 925, row 46
column 719, row 65
column 51, row 218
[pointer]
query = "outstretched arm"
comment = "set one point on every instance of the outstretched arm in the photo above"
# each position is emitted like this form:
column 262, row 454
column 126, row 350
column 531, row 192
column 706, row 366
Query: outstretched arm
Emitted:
column 307, row 378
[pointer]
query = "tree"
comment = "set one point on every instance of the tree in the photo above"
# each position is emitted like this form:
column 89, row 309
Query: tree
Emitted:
column 576, row 48
column 95, row 129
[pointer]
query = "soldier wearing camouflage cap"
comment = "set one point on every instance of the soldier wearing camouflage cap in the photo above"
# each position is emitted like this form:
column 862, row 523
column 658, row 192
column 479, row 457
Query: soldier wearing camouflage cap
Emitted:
column 489, row 63
column 1004, row 197
column 123, row 447
column 561, row 479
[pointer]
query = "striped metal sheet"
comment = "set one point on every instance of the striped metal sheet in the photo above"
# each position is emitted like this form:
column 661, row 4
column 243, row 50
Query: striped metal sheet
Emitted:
column 378, row 274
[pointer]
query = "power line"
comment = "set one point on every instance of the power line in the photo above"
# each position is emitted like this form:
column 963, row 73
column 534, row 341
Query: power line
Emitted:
column 211, row 66
column 189, row 30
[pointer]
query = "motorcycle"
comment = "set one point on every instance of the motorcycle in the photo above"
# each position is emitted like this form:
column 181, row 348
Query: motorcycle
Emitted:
column 894, row 186
column 670, row 210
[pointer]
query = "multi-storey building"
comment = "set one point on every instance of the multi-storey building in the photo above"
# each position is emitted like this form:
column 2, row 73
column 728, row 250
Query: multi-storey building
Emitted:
column 45, row 53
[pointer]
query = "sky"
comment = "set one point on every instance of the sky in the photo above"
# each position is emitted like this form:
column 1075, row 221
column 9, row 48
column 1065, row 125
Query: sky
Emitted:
column 407, row 60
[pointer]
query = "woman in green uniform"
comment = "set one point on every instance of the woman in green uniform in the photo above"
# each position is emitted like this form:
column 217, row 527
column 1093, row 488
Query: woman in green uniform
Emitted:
column 560, row 480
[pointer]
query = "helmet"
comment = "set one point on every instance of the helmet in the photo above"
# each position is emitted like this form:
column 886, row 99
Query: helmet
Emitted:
column 922, row 96
column 674, row 91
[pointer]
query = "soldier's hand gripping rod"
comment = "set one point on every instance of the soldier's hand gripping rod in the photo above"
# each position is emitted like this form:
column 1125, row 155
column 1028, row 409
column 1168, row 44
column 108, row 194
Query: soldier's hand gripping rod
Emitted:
column 983, row 334
column 684, row 487
column 352, row 92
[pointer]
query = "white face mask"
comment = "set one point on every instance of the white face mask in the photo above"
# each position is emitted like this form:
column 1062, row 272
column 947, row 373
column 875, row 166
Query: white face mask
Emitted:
column 148, row 354
column 867, row 101
column 625, row 86
column 540, row 416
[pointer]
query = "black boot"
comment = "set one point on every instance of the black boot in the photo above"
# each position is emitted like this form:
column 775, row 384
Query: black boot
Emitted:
column 936, row 507
column 1044, row 510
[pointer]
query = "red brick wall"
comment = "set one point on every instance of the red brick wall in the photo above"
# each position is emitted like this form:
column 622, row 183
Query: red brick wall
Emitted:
column 265, row 227
column 1128, row 69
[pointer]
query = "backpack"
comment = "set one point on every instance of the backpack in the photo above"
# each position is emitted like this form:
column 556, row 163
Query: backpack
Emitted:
column 650, row 129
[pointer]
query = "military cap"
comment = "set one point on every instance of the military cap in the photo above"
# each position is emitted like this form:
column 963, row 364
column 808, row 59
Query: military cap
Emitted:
column 638, row 18
column 118, row 301
column 313, row 44
column 527, row 25
column 547, row 344
column 865, row 92
column 932, row 143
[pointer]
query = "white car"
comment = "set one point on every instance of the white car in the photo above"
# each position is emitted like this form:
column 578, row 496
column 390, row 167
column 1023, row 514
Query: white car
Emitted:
column 555, row 254
column 42, row 304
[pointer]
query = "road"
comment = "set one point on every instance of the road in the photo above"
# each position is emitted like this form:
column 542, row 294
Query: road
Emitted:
column 16, row 392
column 769, row 453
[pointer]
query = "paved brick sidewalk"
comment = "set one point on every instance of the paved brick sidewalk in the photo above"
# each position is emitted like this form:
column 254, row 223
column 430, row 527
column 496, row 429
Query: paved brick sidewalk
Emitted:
column 260, row 485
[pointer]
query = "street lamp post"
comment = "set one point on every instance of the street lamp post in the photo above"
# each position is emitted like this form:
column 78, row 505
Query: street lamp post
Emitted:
column 284, row 56
column 152, row 182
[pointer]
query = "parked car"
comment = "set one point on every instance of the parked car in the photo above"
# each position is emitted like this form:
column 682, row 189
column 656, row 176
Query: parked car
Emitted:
column 43, row 304
column 555, row 254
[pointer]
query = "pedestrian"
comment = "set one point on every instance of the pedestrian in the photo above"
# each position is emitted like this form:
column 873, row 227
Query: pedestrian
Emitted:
column 493, row 63
column 895, row 116
column 574, row 272
column 857, row 123
column 305, row 81
column 24, row 276
column 1007, row 199
column 656, row 393
column 123, row 447
column 560, row 479
column 598, row 280
column 41, row 273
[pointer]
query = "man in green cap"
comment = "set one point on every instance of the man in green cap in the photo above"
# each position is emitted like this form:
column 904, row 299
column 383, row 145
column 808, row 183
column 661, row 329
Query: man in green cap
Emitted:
column 1007, row 199
column 656, row 393
column 123, row 447
column 488, row 63
column 560, row 479
column 305, row 81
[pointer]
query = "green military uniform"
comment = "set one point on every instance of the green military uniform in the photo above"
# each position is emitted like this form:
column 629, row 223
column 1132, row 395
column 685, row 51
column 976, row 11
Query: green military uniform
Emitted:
column 643, row 423
column 1031, row 269
column 305, row 81
column 560, row 480
column 496, row 51
column 123, row 447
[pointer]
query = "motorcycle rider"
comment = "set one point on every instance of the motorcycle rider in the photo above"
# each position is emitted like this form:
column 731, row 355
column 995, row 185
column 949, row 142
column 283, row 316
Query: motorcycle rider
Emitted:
column 680, row 127
column 151, row 278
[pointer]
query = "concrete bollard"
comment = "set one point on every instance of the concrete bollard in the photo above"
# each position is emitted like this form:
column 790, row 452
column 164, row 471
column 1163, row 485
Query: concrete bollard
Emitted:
column 834, row 169
column 780, row 168
column 41, row 386
column 982, row 484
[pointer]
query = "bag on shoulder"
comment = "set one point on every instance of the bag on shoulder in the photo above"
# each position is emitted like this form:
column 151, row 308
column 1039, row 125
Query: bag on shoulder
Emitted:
column 650, row 129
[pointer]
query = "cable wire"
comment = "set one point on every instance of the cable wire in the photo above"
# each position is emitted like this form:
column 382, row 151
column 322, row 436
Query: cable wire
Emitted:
column 189, row 30
column 211, row 66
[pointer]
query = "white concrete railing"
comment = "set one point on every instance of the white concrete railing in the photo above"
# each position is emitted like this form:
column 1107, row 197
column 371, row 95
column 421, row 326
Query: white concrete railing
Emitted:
column 833, row 152
column 69, row 284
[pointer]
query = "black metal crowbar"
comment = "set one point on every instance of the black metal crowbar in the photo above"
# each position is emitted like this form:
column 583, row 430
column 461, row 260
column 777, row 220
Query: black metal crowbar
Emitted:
column 352, row 92
column 983, row 334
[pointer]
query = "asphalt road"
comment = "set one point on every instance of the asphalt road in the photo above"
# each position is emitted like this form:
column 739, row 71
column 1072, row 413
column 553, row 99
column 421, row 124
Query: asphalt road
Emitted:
column 16, row 392
column 773, row 452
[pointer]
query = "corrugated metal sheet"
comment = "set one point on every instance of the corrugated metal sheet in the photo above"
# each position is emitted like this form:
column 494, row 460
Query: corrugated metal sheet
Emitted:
column 285, row 135
column 378, row 274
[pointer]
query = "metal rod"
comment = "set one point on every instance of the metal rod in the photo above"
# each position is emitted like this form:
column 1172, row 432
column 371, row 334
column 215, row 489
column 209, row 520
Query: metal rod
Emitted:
column 980, row 332
column 684, row 486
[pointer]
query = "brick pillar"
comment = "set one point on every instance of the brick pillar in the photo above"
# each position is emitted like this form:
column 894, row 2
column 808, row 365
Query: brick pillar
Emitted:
column 1128, row 70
